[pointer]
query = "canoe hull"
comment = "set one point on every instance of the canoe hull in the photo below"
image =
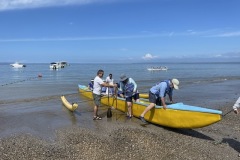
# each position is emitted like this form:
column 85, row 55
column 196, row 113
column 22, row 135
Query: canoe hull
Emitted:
column 171, row 117
column 143, row 95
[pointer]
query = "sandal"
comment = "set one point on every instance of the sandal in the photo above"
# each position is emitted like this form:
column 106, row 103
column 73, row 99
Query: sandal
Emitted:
column 129, row 116
column 97, row 118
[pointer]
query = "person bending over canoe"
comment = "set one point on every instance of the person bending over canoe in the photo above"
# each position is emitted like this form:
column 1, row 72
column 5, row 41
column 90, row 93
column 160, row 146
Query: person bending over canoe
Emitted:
column 128, row 90
column 97, row 89
column 236, row 106
column 158, row 93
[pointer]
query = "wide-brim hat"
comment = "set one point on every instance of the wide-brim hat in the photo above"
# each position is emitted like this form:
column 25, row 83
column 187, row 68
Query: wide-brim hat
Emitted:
column 123, row 77
column 175, row 83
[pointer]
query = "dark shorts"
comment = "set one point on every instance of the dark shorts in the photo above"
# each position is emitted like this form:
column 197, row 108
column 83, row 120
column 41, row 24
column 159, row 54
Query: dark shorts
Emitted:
column 135, row 97
column 97, row 99
column 153, row 99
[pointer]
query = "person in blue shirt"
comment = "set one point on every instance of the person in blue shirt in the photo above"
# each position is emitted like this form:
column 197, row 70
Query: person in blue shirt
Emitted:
column 158, row 93
column 90, row 85
column 128, row 90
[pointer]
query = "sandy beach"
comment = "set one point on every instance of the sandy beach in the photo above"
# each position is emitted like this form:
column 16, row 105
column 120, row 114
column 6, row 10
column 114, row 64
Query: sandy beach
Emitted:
column 47, row 137
column 35, row 125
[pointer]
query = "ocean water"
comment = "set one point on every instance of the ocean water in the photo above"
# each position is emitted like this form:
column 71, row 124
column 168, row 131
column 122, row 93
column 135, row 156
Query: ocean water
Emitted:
column 201, row 84
column 31, row 104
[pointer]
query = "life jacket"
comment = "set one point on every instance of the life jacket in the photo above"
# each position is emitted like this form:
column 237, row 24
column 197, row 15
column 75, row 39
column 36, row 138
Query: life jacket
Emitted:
column 128, row 89
column 168, row 89
column 91, row 86
column 103, row 89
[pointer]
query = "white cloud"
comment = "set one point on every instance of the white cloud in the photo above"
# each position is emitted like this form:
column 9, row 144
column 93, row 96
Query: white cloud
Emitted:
column 207, row 34
column 124, row 49
column 217, row 55
column 228, row 55
column 171, row 34
column 228, row 34
column 76, row 38
column 149, row 56
column 22, row 4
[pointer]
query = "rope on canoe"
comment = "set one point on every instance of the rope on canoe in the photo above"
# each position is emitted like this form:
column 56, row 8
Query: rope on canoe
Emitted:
column 227, row 113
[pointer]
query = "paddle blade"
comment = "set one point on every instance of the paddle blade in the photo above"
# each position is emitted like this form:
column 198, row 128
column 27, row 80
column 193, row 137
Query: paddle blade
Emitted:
column 109, row 113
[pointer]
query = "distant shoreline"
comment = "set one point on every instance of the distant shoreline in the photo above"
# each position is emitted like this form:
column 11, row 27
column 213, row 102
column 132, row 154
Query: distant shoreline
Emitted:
column 163, row 61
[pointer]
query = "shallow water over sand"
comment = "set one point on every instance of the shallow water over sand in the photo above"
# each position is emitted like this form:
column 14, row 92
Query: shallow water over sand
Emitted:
column 31, row 104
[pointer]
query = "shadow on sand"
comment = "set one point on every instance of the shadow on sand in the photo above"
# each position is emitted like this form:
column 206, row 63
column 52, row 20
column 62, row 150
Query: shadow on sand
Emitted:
column 190, row 132
column 232, row 143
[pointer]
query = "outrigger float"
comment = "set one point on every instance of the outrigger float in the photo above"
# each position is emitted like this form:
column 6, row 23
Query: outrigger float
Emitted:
column 72, row 107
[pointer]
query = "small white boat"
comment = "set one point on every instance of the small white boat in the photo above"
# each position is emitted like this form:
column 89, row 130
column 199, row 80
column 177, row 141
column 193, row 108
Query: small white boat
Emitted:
column 18, row 65
column 55, row 65
column 63, row 64
column 161, row 68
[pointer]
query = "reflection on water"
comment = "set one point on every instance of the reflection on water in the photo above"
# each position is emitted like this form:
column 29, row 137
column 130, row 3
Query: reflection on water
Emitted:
column 71, row 115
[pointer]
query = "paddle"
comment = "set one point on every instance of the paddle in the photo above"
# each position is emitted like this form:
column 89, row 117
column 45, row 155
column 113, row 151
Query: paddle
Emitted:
column 116, row 96
column 109, row 112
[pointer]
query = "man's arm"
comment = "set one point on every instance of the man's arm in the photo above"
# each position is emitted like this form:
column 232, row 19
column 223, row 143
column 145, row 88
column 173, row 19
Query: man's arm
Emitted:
column 163, row 103
column 104, row 84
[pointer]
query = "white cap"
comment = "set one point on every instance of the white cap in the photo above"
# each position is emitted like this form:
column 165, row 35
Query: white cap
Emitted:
column 175, row 83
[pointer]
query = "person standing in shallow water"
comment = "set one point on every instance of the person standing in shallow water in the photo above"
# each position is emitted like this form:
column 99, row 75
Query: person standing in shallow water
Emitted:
column 97, row 89
column 158, row 93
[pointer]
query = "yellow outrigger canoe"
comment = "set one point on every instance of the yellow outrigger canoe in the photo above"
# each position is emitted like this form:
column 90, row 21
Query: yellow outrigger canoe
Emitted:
column 176, row 115
column 143, row 95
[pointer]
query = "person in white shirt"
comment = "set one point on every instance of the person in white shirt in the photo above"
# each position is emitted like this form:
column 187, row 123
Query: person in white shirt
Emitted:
column 97, row 89
column 236, row 106
column 109, row 80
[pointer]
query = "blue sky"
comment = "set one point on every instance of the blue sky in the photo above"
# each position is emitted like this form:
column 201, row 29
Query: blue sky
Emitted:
column 81, row 31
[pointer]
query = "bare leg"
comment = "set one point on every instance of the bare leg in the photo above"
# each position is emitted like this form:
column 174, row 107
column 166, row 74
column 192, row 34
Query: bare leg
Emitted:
column 95, row 110
column 129, row 108
column 150, row 106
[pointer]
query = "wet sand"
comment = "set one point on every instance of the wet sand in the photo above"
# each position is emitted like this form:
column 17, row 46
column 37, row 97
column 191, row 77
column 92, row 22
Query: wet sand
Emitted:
column 44, row 129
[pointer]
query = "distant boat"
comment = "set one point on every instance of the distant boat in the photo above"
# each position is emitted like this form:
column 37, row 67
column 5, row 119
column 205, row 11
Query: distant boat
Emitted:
column 63, row 64
column 161, row 68
column 57, row 65
column 18, row 65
